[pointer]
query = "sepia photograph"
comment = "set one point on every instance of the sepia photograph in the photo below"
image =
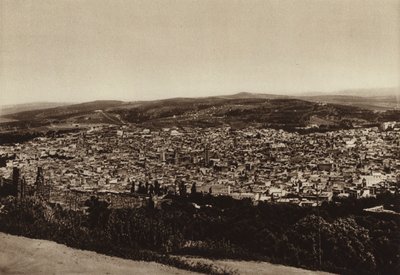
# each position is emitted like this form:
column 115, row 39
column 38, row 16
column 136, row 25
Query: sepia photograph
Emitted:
column 222, row 137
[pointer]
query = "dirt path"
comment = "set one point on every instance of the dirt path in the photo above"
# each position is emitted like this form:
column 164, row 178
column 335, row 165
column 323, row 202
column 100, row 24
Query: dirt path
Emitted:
column 114, row 120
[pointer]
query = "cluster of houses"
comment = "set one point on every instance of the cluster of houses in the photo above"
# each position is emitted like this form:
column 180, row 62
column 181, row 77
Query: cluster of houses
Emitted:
column 261, row 164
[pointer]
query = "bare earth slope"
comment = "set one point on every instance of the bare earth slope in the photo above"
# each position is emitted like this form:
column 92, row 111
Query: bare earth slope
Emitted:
column 20, row 255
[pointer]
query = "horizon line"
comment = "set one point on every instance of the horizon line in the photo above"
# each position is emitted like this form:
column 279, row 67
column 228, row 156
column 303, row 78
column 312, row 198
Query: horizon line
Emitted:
column 275, row 93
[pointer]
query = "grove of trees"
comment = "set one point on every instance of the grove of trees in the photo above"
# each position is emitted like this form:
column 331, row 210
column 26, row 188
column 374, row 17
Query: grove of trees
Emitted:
column 338, row 237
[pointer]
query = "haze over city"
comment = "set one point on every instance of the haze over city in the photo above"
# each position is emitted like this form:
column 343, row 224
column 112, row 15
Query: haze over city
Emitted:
column 74, row 51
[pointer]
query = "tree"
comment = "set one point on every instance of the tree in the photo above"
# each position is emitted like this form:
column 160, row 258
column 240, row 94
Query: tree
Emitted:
column 182, row 189
column 344, row 244
column 151, row 202
column 157, row 188
column 193, row 190
column 151, row 189
column 97, row 212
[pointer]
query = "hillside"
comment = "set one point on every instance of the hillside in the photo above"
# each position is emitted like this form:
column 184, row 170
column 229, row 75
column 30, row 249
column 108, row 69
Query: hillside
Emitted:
column 379, row 99
column 20, row 255
column 278, row 112
column 380, row 103
column 17, row 108
column 64, row 112
column 243, row 109
column 89, row 112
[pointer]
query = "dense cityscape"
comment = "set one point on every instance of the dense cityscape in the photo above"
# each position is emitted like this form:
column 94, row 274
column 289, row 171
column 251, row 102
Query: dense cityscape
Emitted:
column 128, row 165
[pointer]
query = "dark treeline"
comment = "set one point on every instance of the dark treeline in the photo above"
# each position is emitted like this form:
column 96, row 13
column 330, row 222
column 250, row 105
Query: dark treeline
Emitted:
column 16, row 137
column 11, row 138
column 338, row 238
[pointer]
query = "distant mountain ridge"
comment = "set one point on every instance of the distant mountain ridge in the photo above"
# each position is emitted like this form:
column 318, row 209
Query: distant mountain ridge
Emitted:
column 254, row 95
column 381, row 92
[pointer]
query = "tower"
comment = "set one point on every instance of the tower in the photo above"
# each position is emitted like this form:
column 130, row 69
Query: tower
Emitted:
column 162, row 156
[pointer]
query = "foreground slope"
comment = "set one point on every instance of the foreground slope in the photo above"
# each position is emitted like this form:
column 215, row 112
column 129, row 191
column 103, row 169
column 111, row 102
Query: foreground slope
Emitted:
column 20, row 255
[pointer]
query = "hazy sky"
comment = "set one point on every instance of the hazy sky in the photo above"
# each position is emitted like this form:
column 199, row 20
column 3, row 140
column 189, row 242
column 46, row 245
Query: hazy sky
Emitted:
column 81, row 50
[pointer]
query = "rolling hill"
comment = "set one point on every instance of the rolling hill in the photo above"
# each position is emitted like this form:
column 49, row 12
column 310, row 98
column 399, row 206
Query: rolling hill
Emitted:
column 372, row 99
column 237, row 110
column 378, row 103
column 17, row 108
column 330, row 111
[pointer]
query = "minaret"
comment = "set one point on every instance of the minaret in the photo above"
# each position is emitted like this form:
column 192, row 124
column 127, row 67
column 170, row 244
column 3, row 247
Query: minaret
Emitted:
column 162, row 155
